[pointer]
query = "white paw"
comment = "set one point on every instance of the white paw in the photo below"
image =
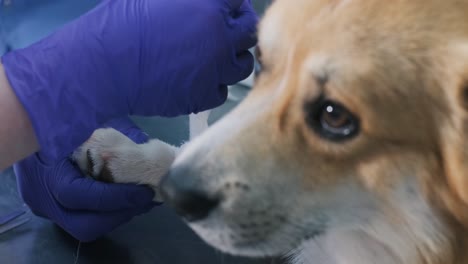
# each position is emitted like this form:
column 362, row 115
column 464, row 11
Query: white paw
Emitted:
column 112, row 157
column 103, row 148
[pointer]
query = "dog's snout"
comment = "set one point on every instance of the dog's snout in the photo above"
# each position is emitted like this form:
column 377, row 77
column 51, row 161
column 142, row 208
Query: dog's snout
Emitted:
column 179, row 191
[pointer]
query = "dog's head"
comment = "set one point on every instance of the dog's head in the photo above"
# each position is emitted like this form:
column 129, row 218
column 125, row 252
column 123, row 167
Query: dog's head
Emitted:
column 359, row 112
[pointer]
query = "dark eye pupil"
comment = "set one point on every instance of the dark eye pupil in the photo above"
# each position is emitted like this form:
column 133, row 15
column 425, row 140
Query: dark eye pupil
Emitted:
column 331, row 120
column 335, row 116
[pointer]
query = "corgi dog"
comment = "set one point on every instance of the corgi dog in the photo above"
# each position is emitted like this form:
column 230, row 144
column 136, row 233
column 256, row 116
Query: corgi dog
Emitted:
column 351, row 148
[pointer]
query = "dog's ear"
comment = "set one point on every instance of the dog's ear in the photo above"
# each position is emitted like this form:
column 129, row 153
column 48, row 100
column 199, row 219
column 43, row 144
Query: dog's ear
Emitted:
column 454, row 132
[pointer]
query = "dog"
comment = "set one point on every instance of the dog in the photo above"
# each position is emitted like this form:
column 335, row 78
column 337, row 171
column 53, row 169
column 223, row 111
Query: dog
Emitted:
column 351, row 148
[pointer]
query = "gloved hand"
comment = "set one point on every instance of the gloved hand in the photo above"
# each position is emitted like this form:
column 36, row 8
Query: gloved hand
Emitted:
column 138, row 57
column 85, row 208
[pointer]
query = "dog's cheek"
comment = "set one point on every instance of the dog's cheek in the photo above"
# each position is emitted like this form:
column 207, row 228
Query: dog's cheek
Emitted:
column 385, row 171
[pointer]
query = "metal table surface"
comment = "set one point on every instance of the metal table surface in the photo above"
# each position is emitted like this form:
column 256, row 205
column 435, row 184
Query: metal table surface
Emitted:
column 158, row 237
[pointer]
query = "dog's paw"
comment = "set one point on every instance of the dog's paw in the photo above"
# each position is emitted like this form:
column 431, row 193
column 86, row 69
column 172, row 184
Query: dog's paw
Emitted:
column 96, row 155
column 110, row 156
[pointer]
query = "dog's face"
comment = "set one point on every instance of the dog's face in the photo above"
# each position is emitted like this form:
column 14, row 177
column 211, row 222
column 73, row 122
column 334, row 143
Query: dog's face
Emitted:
column 358, row 113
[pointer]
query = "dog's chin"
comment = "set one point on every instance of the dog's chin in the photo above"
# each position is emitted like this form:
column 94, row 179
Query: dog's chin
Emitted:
column 229, row 241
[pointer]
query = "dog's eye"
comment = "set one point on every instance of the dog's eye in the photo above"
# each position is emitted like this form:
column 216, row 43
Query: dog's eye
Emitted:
column 332, row 120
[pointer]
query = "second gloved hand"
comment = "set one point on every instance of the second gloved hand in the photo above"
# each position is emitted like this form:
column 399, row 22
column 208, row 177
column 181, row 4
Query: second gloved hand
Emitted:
column 85, row 208
column 139, row 57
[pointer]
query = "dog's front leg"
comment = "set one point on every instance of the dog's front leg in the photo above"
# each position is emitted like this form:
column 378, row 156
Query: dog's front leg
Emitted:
column 112, row 157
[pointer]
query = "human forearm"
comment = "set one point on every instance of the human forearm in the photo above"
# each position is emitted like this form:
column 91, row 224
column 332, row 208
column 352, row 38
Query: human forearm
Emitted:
column 124, row 58
column 17, row 139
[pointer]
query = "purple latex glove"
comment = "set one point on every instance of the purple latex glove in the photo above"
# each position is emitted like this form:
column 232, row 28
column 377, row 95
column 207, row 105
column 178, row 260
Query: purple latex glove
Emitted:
column 138, row 57
column 85, row 208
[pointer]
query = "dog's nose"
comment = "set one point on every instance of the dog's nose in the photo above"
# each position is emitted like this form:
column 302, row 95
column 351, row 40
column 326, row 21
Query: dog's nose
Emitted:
column 179, row 191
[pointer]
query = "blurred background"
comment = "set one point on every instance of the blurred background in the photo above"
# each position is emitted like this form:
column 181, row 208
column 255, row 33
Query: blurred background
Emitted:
column 157, row 237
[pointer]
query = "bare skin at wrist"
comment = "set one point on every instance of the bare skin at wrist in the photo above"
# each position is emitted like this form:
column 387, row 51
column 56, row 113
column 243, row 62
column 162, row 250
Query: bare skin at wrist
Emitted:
column 17, row 138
